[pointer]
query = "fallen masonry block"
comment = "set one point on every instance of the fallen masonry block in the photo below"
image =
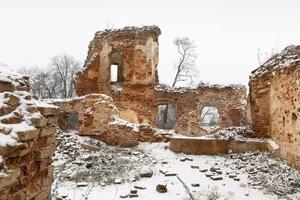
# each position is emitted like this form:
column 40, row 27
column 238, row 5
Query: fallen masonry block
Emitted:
column 209, row 174
column 170, row 174
column 161, row 188
column 216, row 178
column 82, row 184
column 203, row 170
column 133, row 191
column 133, row 195
column 232, row 175
column 146, row 172
column 214, row 168
column 139, row 187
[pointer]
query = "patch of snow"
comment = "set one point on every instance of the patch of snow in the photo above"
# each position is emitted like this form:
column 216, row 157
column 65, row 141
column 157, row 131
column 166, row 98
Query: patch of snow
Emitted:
column 166, row 88
column 120, row 122
column 248, row 167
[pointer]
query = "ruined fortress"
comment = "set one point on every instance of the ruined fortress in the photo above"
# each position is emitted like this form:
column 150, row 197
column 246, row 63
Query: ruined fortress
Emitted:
column 124, row 111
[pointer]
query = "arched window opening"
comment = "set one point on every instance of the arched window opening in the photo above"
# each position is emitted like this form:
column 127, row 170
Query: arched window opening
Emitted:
column 210, row 117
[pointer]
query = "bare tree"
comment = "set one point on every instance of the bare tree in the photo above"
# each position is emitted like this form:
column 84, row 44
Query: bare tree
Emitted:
column 65, row 67
column 185, row 66
column 55, row 82
column 43, row 84
column 262, row 57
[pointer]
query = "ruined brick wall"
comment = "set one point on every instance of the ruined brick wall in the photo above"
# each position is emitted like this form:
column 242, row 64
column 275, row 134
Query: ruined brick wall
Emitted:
column 133, row 49
column 229, row 100
column 275, row 102
column 27, row 141
column 98, row 117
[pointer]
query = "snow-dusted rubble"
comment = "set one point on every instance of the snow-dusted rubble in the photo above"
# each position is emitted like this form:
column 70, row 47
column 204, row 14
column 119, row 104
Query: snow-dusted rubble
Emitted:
column 166, row 88
column 97, row 171
column 289, row 57
column 17, row 80
column 120, row 122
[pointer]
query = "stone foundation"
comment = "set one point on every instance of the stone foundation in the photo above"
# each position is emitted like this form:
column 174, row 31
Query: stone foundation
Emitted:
column 209, row 146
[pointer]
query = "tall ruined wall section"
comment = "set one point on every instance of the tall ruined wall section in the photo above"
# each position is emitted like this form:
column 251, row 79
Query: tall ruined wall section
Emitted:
column 27, row 141
column 275, row 102
column 229, row 100
column 133, row 49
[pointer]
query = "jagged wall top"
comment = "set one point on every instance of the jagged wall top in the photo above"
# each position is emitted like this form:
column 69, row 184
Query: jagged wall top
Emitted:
column 289, row 57
column 133, row 49
column 129, row 31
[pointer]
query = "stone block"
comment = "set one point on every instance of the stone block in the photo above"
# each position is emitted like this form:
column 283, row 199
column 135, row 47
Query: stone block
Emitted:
column 44, row 153
column 28, row 135
column 11, row 99
column 39, row 122
column 52, row 120
column 48, row 111
column 48, row 131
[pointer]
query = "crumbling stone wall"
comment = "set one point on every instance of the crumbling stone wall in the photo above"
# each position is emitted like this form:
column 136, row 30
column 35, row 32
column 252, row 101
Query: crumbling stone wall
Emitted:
column 229, row 100
column 134, row 50
column 27, row 141
column 138, row 95
column 275, row 102
column 98, row 117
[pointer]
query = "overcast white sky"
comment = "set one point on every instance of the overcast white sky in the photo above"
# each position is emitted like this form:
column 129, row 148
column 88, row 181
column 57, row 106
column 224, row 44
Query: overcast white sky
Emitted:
column 227, row 33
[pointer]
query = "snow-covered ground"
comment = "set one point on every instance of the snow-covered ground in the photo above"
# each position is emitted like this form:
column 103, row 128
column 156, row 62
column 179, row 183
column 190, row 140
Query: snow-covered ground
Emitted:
column 244, row 176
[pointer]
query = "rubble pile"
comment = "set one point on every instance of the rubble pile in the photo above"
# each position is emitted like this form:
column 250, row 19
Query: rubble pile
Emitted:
column 84, row 159
column 232, row 133
column 266, row 172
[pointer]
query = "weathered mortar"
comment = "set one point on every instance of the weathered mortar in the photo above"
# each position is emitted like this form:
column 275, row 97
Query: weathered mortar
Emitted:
column 275, row 102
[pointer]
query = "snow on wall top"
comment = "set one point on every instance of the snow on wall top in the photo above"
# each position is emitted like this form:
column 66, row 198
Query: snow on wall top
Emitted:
column 289, row 57
column 129, row 30
column 126, row 35
column 17, row 108
column 166, row 88
column 10, row 80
